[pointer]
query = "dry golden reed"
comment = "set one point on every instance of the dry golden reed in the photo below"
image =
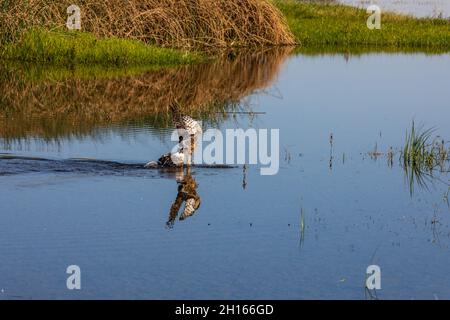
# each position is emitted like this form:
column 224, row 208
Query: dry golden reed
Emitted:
column 167, row 23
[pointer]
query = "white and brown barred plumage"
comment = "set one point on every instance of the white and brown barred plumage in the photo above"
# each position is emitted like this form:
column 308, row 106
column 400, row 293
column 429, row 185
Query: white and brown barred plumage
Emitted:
column 169, row 160
column 188, row 130
column 184, row 123
column 191, row 205
column 187, row 193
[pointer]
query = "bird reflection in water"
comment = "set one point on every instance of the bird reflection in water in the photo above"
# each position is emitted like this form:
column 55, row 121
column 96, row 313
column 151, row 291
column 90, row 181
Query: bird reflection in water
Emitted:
column 187, row 194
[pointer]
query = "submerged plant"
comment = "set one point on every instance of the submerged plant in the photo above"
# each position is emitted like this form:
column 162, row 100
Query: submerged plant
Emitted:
column 422, row 155
column 374, row 154
column 390, row 156
column 302, row 227
column 421, row 152
column 446, row 197
column 416, row 152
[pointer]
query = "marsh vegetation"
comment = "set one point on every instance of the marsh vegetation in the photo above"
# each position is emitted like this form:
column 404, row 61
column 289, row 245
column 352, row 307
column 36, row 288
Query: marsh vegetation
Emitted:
column 60, row 47
column 423, row 154
column 327, row 24
column 167, row 23
column 139, row 32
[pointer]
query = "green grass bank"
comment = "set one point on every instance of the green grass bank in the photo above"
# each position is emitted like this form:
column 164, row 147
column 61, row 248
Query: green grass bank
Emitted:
column 74, row 47
column 328, row 25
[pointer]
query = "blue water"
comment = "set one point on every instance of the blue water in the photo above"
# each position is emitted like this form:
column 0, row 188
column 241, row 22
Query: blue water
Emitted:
column 245, row 243
column 418, row 8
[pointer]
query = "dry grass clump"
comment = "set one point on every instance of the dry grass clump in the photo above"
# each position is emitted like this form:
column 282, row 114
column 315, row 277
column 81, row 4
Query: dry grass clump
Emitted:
column 168, row 23
column 76, row 106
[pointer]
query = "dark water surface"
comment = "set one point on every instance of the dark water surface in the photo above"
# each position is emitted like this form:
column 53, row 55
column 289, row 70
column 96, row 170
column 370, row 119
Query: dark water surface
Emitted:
column 109, row 216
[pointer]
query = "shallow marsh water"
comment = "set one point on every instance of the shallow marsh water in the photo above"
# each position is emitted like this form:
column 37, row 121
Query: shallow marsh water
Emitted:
column 110, row 218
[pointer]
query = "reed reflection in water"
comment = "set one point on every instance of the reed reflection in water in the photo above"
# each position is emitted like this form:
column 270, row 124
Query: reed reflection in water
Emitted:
column 52, row 104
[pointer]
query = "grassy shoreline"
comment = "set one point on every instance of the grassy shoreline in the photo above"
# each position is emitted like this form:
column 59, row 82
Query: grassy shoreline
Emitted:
column 317, row 27
column 60, row 47
column 328, row 25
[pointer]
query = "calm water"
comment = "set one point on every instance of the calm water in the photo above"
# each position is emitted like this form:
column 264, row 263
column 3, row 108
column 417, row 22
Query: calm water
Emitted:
column 419, row 8
column 110, row 218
